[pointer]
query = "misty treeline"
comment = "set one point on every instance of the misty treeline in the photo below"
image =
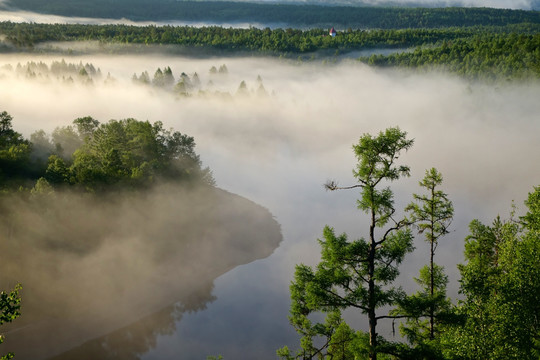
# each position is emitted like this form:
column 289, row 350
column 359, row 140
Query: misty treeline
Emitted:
column 182, row 85
column 93, row 156
column 488, row 57
column 474, row 52
column 497, row 316
column 59, row 70
column 299, row 15
column 129, row 342
column 186, row 85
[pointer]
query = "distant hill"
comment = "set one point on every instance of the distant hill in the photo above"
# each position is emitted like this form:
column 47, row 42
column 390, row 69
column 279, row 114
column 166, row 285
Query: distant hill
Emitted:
column 285, row 15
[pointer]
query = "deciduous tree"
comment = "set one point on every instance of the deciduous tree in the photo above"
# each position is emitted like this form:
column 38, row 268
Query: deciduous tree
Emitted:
column 10, row 306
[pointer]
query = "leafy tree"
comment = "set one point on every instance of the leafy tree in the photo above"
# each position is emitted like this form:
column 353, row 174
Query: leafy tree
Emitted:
column 419, row 308
column 93, row 156
column 357, row 274
column 432, row 214
column 86, row 126
column 223, row 69
column 131, row 152
column 42, row 147
column 10, row 309
column 501, row 289
column 57, row 171
column 66, row 140
column 14, row 152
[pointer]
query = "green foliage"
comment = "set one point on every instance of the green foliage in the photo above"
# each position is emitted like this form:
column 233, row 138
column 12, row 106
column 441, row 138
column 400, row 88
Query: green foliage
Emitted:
column 10, row 309
column 89, row 155
column 428, row 309
column 304, row 15
column 488, row 56
column 14, row 153
column 428, row 314
column 497, row 50
column 131, row 152
column 431, row 213
column 355, row 274
column 501, row 289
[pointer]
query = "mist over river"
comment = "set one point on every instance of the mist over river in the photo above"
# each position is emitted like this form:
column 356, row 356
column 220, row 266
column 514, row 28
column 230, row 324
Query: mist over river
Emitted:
column 280, row 148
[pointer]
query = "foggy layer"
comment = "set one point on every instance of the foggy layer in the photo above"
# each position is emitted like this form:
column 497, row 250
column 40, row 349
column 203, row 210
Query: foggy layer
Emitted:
column 303, row 133
column 279, row 150
column 92, row 265
column 20, row 16
column 502, row 4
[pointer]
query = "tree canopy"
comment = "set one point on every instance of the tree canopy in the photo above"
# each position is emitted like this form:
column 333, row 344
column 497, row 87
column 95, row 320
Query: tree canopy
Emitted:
column 94, row 156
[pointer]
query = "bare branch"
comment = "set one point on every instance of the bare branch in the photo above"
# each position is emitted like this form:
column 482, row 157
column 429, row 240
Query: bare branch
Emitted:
column 398, row 226
column 392, row 317
column 332, row 185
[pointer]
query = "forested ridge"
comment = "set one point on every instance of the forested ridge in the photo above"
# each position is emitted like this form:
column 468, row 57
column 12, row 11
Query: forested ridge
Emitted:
column 253, row 39
column 507, row 52
column 487, row 56
column 289, row 14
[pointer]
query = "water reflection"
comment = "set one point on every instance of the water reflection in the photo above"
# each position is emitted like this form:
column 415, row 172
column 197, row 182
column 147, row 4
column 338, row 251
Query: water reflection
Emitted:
column 131, row 341
column 92, row 266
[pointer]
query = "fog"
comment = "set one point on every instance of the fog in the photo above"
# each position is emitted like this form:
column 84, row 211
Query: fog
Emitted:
column 503, row 4
column 91, row 267
column 278, row 150
column 19, row 16
column 15, row 15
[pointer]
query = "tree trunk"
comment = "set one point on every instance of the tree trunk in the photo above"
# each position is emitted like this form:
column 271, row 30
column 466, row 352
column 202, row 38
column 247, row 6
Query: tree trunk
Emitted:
column 432, row 254
column 371, row 292
column 431, row 309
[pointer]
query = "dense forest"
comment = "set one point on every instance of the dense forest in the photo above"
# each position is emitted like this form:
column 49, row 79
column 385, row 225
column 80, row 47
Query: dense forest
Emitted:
column 488, row 56
column 182, row 85
column 473, row 52
column 97, row 157
column 291, row 15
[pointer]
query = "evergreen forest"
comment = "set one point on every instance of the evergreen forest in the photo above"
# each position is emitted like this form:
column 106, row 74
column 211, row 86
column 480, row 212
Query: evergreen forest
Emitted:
column 285, row 15
column 480, row 52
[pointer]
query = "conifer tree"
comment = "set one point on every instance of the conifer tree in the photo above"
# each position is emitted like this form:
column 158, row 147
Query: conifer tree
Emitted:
column 356, row 274
column 432, row 214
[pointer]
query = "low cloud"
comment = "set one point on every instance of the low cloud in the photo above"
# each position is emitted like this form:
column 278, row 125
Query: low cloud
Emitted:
column 503, row 4
column 279, row 150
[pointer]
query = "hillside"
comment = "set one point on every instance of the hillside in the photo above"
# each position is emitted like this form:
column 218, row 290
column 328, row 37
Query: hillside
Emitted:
column 282, row 15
